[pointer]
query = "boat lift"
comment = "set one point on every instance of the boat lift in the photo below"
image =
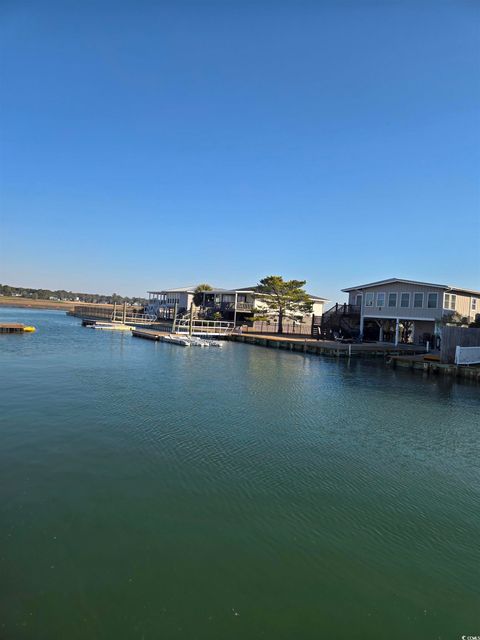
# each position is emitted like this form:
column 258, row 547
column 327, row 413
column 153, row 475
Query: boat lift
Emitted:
column 187, row 325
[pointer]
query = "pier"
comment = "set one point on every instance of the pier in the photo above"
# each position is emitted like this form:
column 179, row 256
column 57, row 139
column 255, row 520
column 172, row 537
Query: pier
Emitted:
column 149, row 334
column 430, row 364
column 181, row 339
column 329, row 347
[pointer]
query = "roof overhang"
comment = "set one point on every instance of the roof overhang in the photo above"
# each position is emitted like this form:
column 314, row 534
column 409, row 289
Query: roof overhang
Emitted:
column 447, row 287
column 394, row 281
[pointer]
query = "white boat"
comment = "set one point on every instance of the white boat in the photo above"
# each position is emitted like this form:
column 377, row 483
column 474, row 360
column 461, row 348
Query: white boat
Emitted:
column 191, row 341
column 183, row 342
column 110, row 326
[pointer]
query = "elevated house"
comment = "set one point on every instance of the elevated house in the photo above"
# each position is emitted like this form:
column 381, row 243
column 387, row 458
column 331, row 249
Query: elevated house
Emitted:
column 235, row 305
column 398, row 310
column 238, row 304
column 163, row 303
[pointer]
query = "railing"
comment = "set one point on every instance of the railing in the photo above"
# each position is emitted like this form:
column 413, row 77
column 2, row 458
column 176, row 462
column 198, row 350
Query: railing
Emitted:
column 198, row 327
column 138, row 318
column 229, row 306
column 343, row 309
column 267, row 327
column 112, row 314
column 244, row 306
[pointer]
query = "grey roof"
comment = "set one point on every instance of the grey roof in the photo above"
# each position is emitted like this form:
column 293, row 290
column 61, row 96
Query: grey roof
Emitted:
column 401, row 280
column 218, row 290
column 176, row 290
column 254, row 290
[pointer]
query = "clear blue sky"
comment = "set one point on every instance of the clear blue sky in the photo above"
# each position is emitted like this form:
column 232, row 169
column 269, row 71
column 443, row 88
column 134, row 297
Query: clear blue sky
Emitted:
column 152, row 144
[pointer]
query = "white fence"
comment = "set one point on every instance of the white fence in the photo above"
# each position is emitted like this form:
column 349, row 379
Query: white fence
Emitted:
column 467, row 355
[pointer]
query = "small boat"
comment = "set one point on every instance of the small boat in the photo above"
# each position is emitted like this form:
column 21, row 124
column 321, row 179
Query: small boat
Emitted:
column 202, row 342
column 109, row 326
column 183, row 342
column 190, row 341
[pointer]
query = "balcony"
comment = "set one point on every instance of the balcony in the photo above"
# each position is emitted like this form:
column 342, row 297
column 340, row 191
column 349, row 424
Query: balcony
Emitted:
column 228, row 306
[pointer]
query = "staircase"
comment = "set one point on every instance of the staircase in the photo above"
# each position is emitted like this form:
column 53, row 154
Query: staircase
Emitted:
column 341, row 319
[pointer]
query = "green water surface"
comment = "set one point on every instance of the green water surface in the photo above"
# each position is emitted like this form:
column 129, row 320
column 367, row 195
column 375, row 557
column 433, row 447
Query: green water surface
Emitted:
column 150, row 491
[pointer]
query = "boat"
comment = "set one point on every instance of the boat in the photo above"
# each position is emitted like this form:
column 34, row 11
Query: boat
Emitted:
column 109, row 326
column 190, row 341
column 183, row 342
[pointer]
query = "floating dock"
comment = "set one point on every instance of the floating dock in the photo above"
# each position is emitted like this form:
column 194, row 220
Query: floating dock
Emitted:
column 15, row 327
column 181, row 339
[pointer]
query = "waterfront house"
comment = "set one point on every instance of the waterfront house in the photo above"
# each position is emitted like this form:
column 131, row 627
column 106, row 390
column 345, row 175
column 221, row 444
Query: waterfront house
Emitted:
column 400, row 310
column 235, row 305
column 163, row 303
column 238, row 304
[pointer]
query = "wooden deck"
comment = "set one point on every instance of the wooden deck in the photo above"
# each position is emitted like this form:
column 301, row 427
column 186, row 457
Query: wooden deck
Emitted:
column 430, row 364
column 12, row 327
column 149, row 334
column 329, row 347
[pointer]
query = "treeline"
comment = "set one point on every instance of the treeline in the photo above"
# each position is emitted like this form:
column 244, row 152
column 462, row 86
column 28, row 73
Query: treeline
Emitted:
column 66, row 296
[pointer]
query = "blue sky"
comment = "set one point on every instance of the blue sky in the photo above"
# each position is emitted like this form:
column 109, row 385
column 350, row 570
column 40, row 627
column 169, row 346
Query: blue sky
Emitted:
column 152, row 144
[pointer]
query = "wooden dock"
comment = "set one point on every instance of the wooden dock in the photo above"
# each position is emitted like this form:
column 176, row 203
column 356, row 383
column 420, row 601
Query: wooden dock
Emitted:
column 305, row 345
column 430, row 364
column 148, row 334
column 329, row 347
column 15, row 327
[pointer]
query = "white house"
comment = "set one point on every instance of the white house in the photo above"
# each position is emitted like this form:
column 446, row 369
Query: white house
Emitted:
column 237, row 304
column 234, row 304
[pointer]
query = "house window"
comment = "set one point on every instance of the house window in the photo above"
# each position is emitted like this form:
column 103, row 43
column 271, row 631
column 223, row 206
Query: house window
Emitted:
column 432, row 300
column 405, row 300
column 450, row 301
column 369, row 299
column 474, row 304
column 380, row 299
column 358, row 300
column 392, row 299
column 418, row 300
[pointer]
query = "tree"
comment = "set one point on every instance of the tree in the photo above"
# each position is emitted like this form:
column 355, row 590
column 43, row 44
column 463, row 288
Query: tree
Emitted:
column 453, row 319
column 198, row 294
column 286, row 298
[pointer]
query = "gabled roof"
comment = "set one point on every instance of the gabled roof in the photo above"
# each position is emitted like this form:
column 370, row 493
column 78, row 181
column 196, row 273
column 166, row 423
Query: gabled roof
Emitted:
column 177, row 290
column 447, row 287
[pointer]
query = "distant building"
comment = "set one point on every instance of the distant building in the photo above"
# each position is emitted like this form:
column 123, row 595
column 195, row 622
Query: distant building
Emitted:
column 234, row 304
column 407, row 310
column 163, row 303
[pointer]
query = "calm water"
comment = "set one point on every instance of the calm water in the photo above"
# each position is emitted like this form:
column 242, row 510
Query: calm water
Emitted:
column 154, row 492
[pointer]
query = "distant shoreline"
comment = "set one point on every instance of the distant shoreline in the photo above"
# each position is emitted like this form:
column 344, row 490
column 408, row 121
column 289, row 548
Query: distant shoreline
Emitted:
column 28, row 303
